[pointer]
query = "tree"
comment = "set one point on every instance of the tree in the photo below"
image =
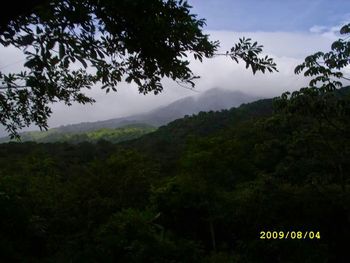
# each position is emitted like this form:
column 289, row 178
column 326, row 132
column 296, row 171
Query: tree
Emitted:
column 71, row 45
column 322, row 112
column 325, row 68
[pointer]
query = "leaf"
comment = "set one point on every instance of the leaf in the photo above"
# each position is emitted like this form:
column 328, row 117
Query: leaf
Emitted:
column 82, row 61
column 61, row 51
column 31, row 63
column 27, row 40
column 50, row 44
column 38, row 30
column 100, row 54
column 93, row 54
column 345, row 29
column 66, row 62
column 55, row 60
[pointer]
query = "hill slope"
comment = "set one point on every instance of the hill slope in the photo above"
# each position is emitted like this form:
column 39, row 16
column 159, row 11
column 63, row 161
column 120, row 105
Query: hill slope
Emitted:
column 195, row 190
column 127, row 132
column 211, row 100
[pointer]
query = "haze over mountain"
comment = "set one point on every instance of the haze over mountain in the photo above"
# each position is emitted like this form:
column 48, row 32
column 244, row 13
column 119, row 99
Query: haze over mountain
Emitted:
column 213, row 99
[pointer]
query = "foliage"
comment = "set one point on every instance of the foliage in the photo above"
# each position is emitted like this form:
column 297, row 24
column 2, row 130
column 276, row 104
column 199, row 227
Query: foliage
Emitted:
column 321, row 111
column 125, row 133
column 325, row 68
column 249, row 53
column 199, row 189
column 73, row 45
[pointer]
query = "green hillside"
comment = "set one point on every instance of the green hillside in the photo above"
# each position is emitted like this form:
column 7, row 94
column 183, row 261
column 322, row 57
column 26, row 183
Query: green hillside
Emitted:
column 200, row 189
column 127, row 132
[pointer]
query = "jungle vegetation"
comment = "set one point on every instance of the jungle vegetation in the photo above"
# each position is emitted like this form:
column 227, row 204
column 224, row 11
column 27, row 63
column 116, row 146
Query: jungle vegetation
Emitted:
column 200, row 189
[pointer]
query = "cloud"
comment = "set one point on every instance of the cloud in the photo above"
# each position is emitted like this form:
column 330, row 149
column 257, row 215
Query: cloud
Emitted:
column 288, row 50
column 331, row 32
column 318, row 29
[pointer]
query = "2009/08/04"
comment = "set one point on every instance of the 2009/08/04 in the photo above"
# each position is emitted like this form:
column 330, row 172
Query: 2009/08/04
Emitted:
column 290, row 235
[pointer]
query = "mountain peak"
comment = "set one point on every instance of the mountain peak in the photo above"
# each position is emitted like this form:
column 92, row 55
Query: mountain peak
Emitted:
column 214, row 99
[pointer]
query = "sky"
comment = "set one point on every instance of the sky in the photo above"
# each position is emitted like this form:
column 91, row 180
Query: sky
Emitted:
column 271, row 15
column 288, row 30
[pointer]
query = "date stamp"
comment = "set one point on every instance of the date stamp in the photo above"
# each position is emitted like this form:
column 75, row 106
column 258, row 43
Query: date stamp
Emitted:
column 290, row 235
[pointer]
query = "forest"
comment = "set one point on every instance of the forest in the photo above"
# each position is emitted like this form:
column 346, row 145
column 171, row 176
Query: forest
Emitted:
column 267, row 181
column 200, row 189
column 123, row 133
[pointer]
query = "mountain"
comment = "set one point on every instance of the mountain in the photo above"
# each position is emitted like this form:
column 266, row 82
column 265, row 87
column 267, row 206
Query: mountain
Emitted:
column 217, row 177
column 211, row 100
column 169, row 142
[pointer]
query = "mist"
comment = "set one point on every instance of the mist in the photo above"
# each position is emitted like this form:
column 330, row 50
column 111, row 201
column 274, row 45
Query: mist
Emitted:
column 286, row 48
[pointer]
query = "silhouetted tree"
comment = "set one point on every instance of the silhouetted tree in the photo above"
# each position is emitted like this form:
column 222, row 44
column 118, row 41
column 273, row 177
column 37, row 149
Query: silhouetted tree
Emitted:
column 71, row 45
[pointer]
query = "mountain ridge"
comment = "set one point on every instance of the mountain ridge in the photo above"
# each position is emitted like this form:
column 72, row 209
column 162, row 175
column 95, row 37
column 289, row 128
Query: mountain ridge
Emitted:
column 211, row 100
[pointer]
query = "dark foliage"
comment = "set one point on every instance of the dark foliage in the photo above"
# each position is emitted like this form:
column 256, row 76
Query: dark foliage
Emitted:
column 197, row 190
column 200, row 189
column 72, row 45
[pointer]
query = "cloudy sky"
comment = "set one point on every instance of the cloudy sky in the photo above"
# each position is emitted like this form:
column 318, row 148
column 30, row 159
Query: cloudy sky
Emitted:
column 289, row 30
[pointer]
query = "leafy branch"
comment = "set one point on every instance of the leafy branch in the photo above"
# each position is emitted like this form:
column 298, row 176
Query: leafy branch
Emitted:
column 249, row 52
column 325, row 68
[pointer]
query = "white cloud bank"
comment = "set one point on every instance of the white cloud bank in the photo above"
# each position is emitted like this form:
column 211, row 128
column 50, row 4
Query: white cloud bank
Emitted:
column 288, row 50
